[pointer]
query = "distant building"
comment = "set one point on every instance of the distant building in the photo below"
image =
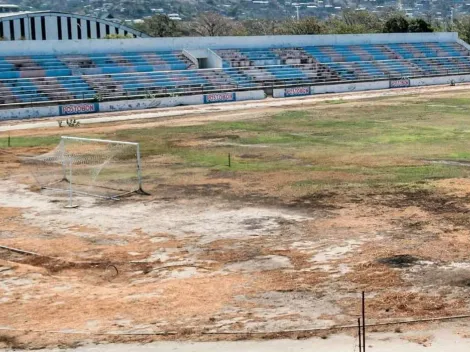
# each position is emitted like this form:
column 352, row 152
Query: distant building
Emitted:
column 5, row 8
column 174, row 17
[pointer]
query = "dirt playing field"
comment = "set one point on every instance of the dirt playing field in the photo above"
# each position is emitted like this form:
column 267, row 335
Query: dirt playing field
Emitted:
column 321, row 201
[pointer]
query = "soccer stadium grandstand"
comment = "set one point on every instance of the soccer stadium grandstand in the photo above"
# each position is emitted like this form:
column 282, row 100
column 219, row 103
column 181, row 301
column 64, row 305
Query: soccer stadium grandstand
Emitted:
column 115, row 70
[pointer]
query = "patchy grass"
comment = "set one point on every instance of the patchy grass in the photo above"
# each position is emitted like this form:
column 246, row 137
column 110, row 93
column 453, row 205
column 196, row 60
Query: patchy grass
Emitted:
column 374, row 142
column 25, row 141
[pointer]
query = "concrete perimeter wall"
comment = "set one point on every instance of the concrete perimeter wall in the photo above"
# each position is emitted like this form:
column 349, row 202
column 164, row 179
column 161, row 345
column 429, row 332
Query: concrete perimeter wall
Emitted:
column 363, row 86
column 124, row 105
column 429, row 81
column 75, row 47
column 331, row 88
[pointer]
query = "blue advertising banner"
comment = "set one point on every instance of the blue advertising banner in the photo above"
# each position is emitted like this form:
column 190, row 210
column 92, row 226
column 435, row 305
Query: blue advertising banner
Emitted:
column 297, row 91
column 74, row 109
column 400, row 83
column 218, row 97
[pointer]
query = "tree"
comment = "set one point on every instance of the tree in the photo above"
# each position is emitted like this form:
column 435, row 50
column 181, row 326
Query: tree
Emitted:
column 354, row 22
column 462, row 26
column 370, row 21
column 419, row 25
column 259, row 27
column 396, row 24
column 307, row 25
column 210, row 24
column 159, row 26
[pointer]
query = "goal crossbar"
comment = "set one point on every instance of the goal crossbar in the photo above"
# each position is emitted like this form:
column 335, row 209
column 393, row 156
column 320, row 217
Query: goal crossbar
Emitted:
column 98, row 140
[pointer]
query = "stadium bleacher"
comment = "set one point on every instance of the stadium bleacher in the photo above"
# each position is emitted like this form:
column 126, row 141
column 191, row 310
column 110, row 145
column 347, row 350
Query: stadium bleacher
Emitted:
column 49, row 78
column 54, row 66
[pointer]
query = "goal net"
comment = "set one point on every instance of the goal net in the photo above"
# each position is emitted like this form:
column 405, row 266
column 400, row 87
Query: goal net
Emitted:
column 95, row 167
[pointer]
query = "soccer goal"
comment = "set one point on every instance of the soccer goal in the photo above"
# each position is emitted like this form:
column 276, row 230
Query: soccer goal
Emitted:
column 96, row 167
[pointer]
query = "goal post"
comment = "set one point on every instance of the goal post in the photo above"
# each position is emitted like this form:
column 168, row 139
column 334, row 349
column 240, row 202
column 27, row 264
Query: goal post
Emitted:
column 134, row 144
column 90, row 166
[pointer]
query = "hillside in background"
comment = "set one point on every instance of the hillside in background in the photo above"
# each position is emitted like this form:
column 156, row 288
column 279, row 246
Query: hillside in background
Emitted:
column 246, row 9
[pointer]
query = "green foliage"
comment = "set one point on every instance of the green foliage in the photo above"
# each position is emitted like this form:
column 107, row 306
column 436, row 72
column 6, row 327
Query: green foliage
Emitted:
column 72, row 122
column 354, row 22
column 462, row 26
column 419, row 25
column 396, row 24
column 258, row 27
column 348, row 22
column 98, row 97
column 160, row 26
column 307, row 25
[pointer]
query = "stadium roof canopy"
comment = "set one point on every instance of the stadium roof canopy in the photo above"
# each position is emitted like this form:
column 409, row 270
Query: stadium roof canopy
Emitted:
column 50, row 25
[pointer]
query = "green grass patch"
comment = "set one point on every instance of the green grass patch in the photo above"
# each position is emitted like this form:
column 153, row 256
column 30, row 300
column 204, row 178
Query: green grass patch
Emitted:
column 25, row 141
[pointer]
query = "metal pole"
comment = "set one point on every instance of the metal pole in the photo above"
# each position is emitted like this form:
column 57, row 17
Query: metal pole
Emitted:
column 62, row 156
column 363, row 322
column 70, row 182
column 139, row 167
column 359, row 333
column 70, row 205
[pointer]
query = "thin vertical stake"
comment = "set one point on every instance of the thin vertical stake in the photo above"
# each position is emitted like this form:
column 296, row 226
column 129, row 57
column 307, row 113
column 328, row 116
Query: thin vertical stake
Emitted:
column 70, row 183
column 359, row 333
column 229, row 161
column 70, row 205
column 139, row 167
column 62, row 156
column 9, row 141
column 363, row 322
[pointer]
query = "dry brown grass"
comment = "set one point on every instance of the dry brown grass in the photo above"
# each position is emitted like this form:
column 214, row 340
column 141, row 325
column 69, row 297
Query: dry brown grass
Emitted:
column 287, row 281
column 374, row 276
column 412, row 304
column 400, row 304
